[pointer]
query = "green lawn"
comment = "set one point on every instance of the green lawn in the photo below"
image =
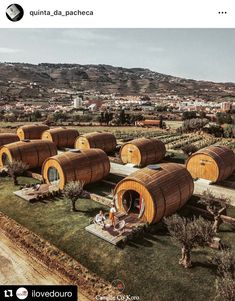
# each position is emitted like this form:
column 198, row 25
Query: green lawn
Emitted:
column 148, row 267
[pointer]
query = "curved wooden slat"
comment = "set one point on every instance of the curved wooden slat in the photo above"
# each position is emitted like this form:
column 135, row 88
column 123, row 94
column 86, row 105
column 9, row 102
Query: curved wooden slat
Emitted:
column 143, row 151
column 213, row 163
column 164, row 190
column 105, row 141
column 87, row 166
column 6, row 138
column 31, row 132
column 31, row 152
column 61, row 137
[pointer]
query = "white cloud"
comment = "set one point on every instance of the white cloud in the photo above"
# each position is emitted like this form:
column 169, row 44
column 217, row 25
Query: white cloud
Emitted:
column 8, row 50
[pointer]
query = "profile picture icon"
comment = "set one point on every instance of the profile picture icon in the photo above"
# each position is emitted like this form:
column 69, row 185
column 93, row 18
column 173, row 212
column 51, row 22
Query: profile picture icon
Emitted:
column 14, row 12
column 22, row 293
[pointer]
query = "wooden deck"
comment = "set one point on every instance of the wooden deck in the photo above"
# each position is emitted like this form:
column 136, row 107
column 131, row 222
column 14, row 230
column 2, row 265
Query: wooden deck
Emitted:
column 30, row 195
column 113, row 236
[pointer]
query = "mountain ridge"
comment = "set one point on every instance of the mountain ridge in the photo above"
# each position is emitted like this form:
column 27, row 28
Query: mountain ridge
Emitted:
column 106, row 79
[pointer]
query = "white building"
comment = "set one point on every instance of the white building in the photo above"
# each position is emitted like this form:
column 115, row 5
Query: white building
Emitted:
column 226, row 106
column 77, row 103
column 92, row 107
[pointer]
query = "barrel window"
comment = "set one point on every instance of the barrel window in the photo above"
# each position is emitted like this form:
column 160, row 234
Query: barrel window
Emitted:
column 53, row 176
column 5, row 159
column 132, row 201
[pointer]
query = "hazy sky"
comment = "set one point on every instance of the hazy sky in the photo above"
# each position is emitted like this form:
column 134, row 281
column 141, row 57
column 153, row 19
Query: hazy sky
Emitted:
column 207, row 54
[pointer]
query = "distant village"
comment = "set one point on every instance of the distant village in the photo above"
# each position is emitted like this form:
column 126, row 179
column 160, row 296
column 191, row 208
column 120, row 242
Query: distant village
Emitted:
column 87, row 103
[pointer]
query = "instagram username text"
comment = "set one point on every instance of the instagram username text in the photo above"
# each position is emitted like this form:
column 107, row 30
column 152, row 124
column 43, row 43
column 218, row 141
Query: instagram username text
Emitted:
column 60, row 13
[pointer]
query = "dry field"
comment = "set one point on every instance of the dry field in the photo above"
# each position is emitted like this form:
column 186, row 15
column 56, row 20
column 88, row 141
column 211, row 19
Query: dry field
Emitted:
column 17, row 267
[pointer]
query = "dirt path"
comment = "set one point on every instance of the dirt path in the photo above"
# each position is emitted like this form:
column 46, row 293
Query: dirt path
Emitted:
column 202, row 185
column 17, row 267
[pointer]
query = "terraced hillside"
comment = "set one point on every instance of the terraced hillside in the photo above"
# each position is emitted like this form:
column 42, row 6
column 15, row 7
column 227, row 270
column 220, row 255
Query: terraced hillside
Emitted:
column 103, row 78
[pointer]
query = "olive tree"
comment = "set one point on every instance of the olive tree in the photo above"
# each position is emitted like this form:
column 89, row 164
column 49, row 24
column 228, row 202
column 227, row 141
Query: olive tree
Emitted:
column 188, row 234
column 225, row 288
column 225, row 283
column 189, row 149
column 225, row 260
column 215, row 206
column 15, row 169
column 72, row 191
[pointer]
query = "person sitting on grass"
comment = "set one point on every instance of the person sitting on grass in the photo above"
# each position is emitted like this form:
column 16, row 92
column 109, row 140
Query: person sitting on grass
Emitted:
column 36, row 187
column 100, row 219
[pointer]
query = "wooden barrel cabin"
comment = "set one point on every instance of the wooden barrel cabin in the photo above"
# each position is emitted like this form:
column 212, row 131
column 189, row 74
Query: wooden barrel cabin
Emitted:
column 31, row 132
column 33, row 153
column 86, row 166
column 105, row 141
column 154, row 191
column 6, row 138
column 62, row 137
column 142, row 152
column 213, row 163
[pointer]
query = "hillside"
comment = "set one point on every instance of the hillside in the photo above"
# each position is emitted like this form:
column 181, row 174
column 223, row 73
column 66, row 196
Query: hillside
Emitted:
column 15, row 78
